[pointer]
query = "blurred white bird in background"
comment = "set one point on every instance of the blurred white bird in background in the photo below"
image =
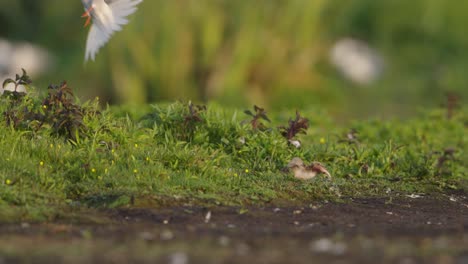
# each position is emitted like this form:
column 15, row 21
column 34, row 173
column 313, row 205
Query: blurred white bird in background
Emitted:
column 357, row 61
column 107, row 16
column 16, row 55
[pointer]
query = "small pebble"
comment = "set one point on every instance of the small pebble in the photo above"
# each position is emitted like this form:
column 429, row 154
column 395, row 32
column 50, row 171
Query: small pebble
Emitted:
column 224, row 241
column 325, row 245
column 178, row 258
column 166, row 235
column 147, row 236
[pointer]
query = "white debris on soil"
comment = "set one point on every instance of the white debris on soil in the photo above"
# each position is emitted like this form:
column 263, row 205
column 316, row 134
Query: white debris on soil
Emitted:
column 224, row 241
column 336, row 190
column 296, row 212
column 414, row 196
column 178, row 258
column 314, row 207
column 326, row 245
column 459, row 200
column 295, row 143
column 166, row 235
column 208, row 217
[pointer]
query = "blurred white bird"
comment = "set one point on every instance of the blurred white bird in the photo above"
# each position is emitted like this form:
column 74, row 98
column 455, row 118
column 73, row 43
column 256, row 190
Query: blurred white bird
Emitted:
column 108, row 16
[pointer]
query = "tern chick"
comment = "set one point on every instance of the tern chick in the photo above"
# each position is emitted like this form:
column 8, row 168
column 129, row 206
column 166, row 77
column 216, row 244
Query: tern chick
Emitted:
column 306, row 172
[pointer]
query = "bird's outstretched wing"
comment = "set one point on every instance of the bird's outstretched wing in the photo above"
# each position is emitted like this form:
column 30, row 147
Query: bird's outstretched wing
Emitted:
column 108, row 17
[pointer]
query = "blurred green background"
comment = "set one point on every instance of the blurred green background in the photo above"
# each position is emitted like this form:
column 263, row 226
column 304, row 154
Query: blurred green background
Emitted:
column 274, row 53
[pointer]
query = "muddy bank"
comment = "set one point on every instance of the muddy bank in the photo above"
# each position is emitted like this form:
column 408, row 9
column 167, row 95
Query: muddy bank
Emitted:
column 398, row 230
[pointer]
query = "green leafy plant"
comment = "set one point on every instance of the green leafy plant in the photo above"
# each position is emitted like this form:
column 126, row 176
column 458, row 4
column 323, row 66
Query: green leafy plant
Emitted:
column 23, row 80
column 257, row 117
column 61, row 112
column 179, row 120
column 57, row 111
column 17, row 103
column 194, row 113
column 297, row 126
column 452, row 103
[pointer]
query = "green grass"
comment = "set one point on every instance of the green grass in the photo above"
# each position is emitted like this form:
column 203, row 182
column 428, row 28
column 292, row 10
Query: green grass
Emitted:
column 162, row 154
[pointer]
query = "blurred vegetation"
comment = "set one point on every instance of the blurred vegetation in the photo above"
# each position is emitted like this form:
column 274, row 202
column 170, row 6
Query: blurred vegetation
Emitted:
column 269, row 52
column 60, row 155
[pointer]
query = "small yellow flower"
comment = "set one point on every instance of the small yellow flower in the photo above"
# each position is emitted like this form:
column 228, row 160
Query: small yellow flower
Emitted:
column 246, row 170
column 41, row 163
column 8, row 182
column 147, row 159
column 136, row 145
column 93, row 170
column 235, row 175
column 112, row 150
column 322, row 140
column 44, row 106
column 135, row 171
column 51, row 145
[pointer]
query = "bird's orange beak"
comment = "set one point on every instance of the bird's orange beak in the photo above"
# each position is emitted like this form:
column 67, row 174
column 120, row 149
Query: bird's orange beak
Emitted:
column 87, row 15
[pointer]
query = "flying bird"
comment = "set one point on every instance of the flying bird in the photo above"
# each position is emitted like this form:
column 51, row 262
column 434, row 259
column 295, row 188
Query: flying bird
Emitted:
column 107, row 17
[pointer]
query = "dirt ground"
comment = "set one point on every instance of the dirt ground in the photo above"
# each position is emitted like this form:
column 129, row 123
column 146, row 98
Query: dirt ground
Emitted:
column 374, row 230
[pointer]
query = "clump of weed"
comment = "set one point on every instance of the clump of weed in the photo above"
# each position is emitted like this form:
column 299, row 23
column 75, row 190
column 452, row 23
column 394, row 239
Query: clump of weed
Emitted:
column 23, row 80
column 58, row 111
column 17, row 102
column 297, row 126
column 447, row 155
column 452, row 104
column 61, row 113
column 193, row 118
column 179, row 121
column 257, row 117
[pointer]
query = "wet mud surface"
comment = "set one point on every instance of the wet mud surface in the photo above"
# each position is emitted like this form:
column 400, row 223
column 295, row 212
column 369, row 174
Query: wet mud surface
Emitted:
column 374, row 230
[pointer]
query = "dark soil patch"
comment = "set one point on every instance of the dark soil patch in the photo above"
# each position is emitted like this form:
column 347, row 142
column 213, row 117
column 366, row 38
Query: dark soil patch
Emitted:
column 410, row 230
